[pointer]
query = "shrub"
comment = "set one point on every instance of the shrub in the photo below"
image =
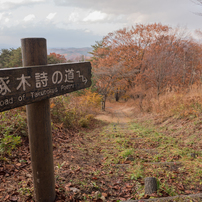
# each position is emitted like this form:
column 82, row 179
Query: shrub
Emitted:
column 8, row 143
column 13, row 125
column 57, row 109
column 90, row 100
column 89, row 117
column 83, row 122
column 73, row 110
column 13, row 121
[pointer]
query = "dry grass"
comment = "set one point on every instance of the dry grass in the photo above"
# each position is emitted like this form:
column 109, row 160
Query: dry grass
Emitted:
column 180, row 104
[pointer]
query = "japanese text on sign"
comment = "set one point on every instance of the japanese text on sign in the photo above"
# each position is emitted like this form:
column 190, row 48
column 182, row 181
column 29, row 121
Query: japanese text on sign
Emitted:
column 21, row 86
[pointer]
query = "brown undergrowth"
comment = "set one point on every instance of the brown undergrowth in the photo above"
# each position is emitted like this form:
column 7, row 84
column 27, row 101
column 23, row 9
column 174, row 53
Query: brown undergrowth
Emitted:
column 69, row 115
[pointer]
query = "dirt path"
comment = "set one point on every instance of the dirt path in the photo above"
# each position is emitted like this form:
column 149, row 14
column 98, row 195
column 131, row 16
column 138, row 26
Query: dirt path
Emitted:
column 117, row 113
column 92, row 167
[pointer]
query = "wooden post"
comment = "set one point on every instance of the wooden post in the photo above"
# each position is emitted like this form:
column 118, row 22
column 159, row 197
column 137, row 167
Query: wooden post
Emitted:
column 34, row 52
column 150, row 185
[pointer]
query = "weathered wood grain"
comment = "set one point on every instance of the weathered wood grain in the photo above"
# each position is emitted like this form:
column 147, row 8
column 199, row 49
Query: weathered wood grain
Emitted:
column 24, row 85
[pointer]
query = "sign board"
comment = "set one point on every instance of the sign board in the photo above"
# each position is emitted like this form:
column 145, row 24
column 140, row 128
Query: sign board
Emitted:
column 24, row 85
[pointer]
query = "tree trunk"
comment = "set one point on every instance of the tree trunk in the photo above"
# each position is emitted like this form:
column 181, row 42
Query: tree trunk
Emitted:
column 117, row 95
column 103, row 102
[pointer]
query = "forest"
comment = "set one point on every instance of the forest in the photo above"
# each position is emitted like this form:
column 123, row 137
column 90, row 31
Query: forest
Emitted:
column 140, row 118
column 137, row 62
column 147, row 60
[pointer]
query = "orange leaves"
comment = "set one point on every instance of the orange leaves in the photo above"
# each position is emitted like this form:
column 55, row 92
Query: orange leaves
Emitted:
column 58, row 56
column 121, row 53
column 54, row 58
column 154, row 55
column 90, row 99
column 52, row 105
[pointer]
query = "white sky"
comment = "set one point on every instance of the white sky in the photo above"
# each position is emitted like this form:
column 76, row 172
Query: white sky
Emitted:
column 79, row 23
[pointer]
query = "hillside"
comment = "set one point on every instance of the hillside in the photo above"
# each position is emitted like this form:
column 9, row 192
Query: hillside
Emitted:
column 110, row 159
column 72, row 53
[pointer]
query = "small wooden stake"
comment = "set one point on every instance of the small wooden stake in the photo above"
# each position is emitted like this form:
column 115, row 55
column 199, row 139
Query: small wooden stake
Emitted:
column 34, row 52
column 150, row 185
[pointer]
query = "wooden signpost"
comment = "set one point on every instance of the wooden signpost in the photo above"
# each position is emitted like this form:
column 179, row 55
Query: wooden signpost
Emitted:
column 33, row 85
column 21, row 86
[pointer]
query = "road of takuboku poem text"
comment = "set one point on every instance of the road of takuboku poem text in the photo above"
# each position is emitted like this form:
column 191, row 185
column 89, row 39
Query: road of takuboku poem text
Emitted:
column 25, row 85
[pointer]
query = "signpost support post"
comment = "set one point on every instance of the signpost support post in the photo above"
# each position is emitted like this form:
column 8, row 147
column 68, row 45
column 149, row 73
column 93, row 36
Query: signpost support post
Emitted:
column 34, row 52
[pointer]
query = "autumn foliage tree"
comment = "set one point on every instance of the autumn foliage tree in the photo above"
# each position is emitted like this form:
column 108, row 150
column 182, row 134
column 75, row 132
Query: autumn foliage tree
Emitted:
column 152, row 56
column 54, row 58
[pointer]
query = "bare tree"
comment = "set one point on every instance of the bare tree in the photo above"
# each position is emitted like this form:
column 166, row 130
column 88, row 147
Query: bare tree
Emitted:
column 107, row 80
column 198, row 2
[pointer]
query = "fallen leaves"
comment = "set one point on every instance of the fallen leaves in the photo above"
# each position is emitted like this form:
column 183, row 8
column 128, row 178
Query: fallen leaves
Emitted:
column 7, row 197
column 13, row 198
column 89, row 168
column 104, row 194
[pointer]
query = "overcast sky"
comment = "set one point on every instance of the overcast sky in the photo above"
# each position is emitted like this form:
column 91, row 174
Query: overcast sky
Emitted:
column 79, row 23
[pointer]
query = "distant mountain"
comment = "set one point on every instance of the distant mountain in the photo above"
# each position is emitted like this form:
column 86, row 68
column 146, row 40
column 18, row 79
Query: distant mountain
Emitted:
column 74, row 54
